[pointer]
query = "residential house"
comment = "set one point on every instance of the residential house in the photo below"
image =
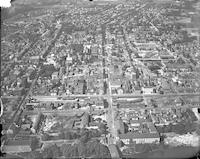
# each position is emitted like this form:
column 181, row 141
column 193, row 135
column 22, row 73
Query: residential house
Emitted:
column 85, row 120
column 69, row 59
column 147, row 90
column 54, row 75
column 151, row 127
column 37, row 121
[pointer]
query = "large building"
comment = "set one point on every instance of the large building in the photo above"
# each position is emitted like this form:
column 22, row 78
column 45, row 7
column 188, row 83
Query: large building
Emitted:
column 16, row 146
column 129, row 138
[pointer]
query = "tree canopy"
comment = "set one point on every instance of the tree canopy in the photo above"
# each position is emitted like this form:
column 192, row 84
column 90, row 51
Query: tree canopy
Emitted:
column 92, row 148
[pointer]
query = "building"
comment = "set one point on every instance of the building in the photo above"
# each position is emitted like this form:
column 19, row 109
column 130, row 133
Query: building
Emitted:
column 152, row 128
column 77, row 124
column 37, row 121
column 140, row 138
column 85, row 120
column 147, row 90
column 16, row 146
column 68, row 59
column 115, row 83
column 54, row 75
column 120, row 91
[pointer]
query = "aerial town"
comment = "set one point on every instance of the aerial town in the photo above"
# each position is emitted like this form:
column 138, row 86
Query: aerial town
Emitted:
column 101, row 79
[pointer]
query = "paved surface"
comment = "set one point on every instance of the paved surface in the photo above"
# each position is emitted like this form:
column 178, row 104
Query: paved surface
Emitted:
column 134, row 95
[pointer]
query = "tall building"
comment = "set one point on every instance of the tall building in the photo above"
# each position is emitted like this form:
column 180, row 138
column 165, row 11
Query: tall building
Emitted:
column 68, row 62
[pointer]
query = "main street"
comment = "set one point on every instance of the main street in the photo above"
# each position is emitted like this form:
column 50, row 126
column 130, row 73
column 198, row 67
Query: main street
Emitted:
column 107, row 93
column 133, row 95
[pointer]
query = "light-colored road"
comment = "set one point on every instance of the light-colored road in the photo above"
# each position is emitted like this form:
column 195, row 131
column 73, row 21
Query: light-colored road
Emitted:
column 133, row 95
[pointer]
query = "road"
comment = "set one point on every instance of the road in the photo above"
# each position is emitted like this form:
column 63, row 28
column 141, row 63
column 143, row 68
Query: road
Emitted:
column 110, row 115
column 118, row 96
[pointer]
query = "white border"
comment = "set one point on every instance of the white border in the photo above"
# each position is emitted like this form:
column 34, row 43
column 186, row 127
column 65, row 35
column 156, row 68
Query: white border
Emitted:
column 5, row 3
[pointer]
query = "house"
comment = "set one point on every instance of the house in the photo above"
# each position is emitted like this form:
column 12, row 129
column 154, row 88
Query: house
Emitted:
column 25, row 126
column 120, row 91
column 37, row 121
column 179, row 102
column 69, row 59
column 54, row 75
column 147, row 90
column 17, row 146
column 115, row 83
column 77, row 124
column 140, row 137
column 34, row 58
column 151, row 127
column 134, row 123
column 85, row 120
column 92, row 127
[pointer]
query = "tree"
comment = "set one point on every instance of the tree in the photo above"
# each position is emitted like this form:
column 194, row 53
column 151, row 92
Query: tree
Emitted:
column 33, row 155
column 73, row 151
column 47, row 70
column 97, row 149
column 120, row 143
column 34, row 143
column 61, row 135
column 84, row 137
column 95, row 133
column 142, row 148
column 91, row 147
column 102, row 128
column 56, row 151
column 103, row 151
column 68, row 135
column 65, row 150
column 52, row 151
column 179, row 128
column 46, row 137
column 82, row 151
column 47, row 153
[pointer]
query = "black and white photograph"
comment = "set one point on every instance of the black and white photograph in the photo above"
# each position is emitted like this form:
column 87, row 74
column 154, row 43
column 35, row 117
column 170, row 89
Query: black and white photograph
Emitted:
column 100, row 79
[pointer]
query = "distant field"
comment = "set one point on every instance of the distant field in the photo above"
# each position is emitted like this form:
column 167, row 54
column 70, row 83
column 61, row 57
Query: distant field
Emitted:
column 176, row 152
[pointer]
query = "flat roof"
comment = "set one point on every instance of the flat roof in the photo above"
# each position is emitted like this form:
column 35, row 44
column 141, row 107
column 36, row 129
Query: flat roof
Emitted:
column 138, row 135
